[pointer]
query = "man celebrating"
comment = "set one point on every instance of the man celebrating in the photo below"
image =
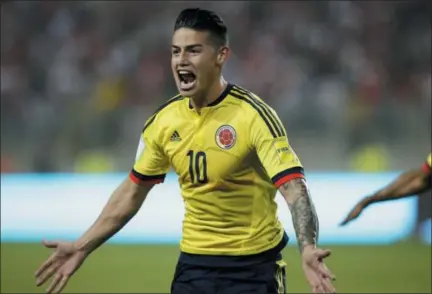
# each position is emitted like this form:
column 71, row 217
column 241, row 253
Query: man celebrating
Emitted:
column 231, row 154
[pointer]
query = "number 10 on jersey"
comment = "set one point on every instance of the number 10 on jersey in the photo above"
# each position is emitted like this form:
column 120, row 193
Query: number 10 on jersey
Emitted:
column 197, row 166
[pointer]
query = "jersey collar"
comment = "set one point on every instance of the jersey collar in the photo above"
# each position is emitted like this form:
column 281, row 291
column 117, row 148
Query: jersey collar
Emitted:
column 219, row 99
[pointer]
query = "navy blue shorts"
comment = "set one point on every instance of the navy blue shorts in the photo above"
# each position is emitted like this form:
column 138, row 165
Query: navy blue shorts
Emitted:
column 264, row 278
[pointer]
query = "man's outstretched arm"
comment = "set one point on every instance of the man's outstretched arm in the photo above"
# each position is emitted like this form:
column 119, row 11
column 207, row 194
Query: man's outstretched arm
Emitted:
column 124, row 203
column 67, row 257
column 305, row 222
column 304, row 217
column 286, row 172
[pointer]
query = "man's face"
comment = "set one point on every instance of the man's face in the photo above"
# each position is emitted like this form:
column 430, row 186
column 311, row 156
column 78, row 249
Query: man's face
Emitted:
column 195, row 62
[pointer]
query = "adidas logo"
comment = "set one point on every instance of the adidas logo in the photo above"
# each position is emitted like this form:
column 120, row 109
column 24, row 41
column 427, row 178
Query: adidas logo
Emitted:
column 175, row 137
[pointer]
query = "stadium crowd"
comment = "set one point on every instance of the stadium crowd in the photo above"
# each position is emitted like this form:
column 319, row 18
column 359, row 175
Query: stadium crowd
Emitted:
column 351, row 81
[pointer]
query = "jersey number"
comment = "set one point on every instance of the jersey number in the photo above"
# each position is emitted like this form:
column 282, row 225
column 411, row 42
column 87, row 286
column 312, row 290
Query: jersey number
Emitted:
column 195, row 172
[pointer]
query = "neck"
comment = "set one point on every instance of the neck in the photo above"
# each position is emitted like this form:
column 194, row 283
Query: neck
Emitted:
column 203, row 99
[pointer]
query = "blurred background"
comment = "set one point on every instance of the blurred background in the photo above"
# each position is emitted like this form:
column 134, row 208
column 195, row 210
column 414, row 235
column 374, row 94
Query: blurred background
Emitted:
column 351, row 81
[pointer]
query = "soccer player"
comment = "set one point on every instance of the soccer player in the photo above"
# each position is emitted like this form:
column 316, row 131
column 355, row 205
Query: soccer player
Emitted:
column 410, row 183
column 231, row 154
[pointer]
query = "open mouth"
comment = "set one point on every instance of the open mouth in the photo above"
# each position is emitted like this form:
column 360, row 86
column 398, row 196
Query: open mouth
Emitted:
column 187, row 79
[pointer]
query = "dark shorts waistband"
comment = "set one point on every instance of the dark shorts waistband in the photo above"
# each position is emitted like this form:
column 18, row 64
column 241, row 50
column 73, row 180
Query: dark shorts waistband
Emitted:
column 273, row 254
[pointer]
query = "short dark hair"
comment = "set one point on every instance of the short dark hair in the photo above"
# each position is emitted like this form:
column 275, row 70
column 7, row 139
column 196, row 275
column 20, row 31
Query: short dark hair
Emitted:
column 204, row 20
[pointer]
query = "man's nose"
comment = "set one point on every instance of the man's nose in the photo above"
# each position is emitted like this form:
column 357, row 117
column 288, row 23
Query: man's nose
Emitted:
column 184, row 60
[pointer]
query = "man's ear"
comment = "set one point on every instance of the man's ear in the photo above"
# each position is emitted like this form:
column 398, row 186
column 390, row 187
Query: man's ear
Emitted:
column 223, row 55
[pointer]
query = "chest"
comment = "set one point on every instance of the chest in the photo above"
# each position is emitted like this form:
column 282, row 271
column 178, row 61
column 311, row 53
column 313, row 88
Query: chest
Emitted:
column 208, row 147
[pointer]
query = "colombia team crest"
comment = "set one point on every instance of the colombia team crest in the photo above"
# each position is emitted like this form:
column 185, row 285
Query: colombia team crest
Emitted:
column 226, row 137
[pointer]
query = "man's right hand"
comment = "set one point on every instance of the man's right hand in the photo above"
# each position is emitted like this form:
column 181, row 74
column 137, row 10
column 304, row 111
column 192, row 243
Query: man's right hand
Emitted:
column 62, row 263
column 355, row 212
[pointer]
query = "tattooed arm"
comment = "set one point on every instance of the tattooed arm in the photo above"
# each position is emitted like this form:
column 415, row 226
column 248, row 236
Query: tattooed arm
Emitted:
column 305, row 223
column 286, row 172
column 304, row 217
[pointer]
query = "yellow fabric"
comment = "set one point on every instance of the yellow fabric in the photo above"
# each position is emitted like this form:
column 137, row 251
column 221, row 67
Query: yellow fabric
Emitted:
column 225, row 158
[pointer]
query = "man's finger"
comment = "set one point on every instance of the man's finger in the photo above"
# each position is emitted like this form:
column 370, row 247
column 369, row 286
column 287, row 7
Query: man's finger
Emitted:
column 327, row 286
column 46, row 275
column 318, row 289
column 325, row 272
column 323, row 253
column 45, row 265
column 61, row 284
column 313, row 279
column 57, row 278
column 50, row 244
column 344, row 222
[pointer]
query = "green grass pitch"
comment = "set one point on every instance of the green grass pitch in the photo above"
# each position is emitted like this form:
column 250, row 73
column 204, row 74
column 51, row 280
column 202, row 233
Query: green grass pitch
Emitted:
column 400, row 268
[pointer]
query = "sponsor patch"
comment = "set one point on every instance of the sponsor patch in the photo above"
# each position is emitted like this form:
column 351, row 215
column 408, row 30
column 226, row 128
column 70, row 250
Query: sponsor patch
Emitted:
column 283, row 150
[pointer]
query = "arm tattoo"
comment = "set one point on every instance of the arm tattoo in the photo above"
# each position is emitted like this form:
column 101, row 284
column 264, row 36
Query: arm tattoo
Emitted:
column 304, row 217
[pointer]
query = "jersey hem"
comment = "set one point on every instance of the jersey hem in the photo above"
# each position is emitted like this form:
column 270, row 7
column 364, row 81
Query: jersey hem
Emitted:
column 287, row 175
column 235, row 251
column 287, row 179
column 139, row 178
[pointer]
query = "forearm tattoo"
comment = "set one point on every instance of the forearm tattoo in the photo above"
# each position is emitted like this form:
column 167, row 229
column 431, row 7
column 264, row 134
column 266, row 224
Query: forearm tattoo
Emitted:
column 303, row 212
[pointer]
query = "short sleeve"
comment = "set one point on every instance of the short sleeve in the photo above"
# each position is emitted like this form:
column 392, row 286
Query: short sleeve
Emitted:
column 151, row 164
column 268, row 137
column 427, row 166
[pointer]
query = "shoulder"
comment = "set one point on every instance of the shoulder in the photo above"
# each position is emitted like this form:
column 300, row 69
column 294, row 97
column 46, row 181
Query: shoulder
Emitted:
column 169, row 105
column 258, row 111
column 163, row 109
column 250, row 101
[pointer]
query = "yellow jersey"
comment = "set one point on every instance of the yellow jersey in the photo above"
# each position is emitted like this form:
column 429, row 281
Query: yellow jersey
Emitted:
column 230, row 159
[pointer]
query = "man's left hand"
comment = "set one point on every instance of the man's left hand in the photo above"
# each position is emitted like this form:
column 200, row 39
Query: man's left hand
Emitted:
column 318, row 275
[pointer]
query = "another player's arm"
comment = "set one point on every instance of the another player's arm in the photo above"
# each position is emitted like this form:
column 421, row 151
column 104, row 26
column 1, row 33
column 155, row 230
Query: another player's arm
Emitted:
column 412, row 182
column 149, row 169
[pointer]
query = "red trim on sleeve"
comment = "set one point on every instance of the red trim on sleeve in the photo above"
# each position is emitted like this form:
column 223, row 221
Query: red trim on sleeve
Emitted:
column 134, row 178
column 138, row 181
column 288, row 178
column 426, row 168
